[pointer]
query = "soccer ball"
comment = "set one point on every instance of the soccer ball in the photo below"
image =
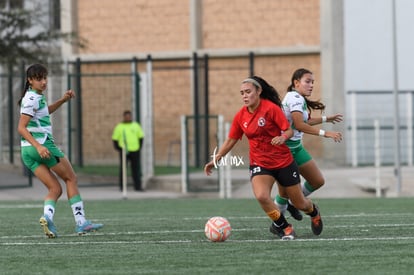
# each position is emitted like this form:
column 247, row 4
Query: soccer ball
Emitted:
column 217, row 229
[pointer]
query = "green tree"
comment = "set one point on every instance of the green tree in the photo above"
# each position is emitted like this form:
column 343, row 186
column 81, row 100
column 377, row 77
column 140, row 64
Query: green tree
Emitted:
column 25, row 36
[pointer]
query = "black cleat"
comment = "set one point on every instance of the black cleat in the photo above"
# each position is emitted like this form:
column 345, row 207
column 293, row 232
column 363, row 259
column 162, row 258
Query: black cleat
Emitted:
column 316, row 222
column 285, row 234
column 295, row 213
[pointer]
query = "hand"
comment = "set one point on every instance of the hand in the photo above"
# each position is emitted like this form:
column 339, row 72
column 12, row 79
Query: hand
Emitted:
column 279, row 140
column 43, row 152
column 68, row 95
column 335, row 118
column 336, row 136
column 208, row 167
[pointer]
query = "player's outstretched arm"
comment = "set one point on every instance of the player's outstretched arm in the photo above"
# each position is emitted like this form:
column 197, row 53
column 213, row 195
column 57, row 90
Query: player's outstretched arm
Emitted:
column 69, row 94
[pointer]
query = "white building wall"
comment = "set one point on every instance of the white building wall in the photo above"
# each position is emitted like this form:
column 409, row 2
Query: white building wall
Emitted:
column 368, row 67
column 368, row 44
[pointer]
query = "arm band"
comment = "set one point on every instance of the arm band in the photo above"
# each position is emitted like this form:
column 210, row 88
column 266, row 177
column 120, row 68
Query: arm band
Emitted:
column 322, row 133
column 324, row 119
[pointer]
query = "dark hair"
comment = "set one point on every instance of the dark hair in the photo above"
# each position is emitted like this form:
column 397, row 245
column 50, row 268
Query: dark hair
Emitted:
column 297, row 75
column 36, row 71
column 268, row 92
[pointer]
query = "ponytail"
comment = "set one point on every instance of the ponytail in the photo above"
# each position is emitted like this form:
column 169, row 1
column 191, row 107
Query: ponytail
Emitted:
column 314, row 105
column 268, row 92
column 290, row 88
column 26, row 87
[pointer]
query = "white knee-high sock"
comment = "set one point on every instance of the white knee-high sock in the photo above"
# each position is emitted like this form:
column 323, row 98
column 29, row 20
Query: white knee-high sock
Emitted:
column 49, row 209
column 78, row 210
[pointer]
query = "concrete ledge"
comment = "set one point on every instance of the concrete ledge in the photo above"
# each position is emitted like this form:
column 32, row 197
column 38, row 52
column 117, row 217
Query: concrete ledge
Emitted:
column 370, row 188
column 369, row 185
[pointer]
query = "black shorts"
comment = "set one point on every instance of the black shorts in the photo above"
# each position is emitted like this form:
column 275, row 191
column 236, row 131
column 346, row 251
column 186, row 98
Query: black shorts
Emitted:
column 286, row 176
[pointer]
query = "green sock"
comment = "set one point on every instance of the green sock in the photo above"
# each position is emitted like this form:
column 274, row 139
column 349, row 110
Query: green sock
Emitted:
column 307, row 189
column 281, row 203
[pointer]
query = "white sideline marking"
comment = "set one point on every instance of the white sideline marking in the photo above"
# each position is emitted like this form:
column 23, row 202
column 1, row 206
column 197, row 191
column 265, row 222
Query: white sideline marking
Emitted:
column 204, row 241
column 332, row 239
column 264, row 217
column 410, row 225
column 323, row 216
column 200, row 231
column 20, row 206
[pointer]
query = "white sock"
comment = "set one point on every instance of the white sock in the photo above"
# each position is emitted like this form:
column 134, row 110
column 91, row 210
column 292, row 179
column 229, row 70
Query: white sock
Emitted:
column 78, row 212
column 49, row 211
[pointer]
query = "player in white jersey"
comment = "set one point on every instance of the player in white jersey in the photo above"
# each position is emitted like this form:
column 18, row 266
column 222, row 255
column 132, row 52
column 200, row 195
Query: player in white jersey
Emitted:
column 297, row 108
column 43, row 157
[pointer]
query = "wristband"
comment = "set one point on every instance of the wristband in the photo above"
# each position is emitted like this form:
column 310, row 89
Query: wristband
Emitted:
column 324, row 119
column 285, row 136
column 322, row 133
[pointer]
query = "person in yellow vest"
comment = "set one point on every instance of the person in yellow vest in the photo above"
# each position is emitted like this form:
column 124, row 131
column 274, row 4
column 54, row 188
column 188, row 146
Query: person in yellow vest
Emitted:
column 128, row 134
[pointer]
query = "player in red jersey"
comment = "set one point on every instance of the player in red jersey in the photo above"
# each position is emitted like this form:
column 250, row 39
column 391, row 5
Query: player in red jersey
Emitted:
column 263, row 122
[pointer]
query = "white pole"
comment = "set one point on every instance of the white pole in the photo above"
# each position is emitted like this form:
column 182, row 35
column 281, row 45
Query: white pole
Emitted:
column 184, row 160
column 410, row 128
column 222, row 189
column 124, row 174
column 377, row 158
column 149, row 134
column 147, row 126
column 397, row 165
column 227, row 181
column 220, row 134
column 145, row 123
column 354, row 142
column 1, row 116
column 228, row 168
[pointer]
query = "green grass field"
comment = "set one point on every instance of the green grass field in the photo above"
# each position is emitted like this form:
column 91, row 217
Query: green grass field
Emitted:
column 166, row 236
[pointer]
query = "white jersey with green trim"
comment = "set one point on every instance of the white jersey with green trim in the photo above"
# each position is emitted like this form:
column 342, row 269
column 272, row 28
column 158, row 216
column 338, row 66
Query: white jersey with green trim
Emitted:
column 294, row 102
column 40, row 126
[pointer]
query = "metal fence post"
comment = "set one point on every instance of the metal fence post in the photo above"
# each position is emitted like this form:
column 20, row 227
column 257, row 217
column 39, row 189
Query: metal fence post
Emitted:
column 196, row 112
column 251, row 63
column 11, row 112
column 79, row 113
column 206, row 110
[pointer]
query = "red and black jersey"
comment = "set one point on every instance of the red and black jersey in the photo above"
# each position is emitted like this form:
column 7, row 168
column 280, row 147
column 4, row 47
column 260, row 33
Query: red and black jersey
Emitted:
column 265, row 123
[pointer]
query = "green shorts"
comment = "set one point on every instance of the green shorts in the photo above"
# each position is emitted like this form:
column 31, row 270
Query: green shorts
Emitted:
column 299, row 153
column 32, row 159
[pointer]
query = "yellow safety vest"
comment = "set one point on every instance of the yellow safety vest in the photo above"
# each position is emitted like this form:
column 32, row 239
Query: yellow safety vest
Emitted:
column 128, row 133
